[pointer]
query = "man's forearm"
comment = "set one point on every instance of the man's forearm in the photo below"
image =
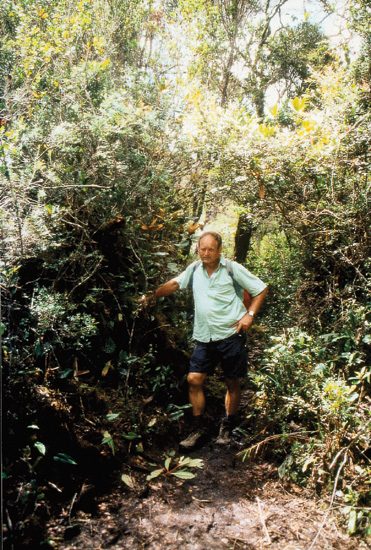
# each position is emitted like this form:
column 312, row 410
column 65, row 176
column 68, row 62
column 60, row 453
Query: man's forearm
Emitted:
column 257, row 301
column 166, row 289
column 244, row 324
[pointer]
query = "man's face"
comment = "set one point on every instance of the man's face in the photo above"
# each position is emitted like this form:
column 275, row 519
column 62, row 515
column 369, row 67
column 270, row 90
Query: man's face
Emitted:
column 209, row 251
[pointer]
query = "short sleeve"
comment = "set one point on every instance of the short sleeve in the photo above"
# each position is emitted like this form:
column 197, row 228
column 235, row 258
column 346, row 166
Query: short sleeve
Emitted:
column 184, row 277
column 247, row 280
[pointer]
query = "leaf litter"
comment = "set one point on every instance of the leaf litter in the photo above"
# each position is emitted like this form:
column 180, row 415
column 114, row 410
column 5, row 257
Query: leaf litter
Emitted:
column 229, row 504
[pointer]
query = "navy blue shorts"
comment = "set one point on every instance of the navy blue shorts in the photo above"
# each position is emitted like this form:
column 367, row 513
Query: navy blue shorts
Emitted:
column 229, row 352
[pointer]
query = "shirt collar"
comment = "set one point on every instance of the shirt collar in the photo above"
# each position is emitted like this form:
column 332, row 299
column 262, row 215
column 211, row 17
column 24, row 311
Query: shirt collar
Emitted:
column 222, row 262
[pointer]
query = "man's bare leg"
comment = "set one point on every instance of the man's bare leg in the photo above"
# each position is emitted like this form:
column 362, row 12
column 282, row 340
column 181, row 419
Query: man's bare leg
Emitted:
column 196, row 392
column 233, row 396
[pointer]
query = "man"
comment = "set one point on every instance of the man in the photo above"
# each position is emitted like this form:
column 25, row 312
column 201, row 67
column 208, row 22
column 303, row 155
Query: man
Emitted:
column 221, row 322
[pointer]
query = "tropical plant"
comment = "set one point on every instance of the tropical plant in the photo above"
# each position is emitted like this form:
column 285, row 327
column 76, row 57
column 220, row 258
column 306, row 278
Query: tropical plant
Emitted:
column 180, row 469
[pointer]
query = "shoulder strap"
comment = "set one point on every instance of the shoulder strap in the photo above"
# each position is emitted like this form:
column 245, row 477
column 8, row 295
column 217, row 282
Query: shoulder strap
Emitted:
column 228, row 265
column 237, row 287
column 196, row 264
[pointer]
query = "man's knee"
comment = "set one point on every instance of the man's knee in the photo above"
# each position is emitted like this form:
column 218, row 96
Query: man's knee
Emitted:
column 233, row 384
column 196, row 379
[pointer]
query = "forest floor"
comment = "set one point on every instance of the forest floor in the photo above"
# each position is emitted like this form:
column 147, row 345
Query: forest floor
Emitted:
column 229, row 504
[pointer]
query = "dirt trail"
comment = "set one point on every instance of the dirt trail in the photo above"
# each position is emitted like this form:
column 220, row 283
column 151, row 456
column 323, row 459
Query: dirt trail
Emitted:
column 228, row 505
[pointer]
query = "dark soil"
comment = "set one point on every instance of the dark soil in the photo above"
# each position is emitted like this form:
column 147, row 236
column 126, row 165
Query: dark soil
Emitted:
column 230, row 504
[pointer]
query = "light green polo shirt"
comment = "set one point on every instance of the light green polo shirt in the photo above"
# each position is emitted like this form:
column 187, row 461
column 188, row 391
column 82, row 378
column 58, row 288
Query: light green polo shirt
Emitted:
column 217, row 305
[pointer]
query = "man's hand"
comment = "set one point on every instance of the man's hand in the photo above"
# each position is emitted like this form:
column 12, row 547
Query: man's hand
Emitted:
column 164, row 290
column 146, row 300
column 244, row 324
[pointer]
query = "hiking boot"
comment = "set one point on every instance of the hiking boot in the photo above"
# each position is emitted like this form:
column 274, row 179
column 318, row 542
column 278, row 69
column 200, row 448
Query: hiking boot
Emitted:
column 225, row 435
column 195, row 438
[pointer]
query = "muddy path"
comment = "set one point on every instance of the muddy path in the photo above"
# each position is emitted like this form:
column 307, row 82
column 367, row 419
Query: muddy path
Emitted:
column 230, row 504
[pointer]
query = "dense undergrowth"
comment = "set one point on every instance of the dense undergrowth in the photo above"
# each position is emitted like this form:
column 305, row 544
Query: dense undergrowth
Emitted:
column 114, row 155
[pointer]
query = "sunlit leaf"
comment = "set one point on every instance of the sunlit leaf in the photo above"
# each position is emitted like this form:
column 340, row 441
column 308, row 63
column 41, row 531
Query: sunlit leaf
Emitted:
column 40, row 447
column 183, row 474
column 196, row 463
column 309, row 460
column 128, row 480
column 298, row 104
column 352, row 522
column 308, row 125
column 267, row 131
column 154, row 474
column 106, row 368
column 112, row 416
column 107, row 439
column 192, row 227
column 274, row 110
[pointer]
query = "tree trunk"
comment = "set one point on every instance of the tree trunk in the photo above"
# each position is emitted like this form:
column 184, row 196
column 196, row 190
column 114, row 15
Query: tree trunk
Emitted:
column 242, row 238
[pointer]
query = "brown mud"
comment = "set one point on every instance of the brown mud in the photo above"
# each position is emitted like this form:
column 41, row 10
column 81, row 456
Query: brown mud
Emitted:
column 229, row 504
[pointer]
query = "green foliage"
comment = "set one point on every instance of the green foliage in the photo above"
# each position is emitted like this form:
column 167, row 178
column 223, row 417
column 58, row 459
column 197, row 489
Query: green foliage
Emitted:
column 179, row 470
column 360, row 21
column 111, row 155
column 57, row 321
column 176, row 412
column 304, row 388
column 315, row 378
column 241, row 50
column 294, row 53
column 108, row 440
column 277, row 262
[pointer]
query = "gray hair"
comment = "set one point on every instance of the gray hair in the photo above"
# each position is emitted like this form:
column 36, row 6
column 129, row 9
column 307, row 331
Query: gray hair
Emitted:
column 213, row 234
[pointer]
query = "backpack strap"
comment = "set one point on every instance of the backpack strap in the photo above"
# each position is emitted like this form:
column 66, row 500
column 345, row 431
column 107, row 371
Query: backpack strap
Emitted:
column 196, row 264
column 237, row 287
column 228, row 265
